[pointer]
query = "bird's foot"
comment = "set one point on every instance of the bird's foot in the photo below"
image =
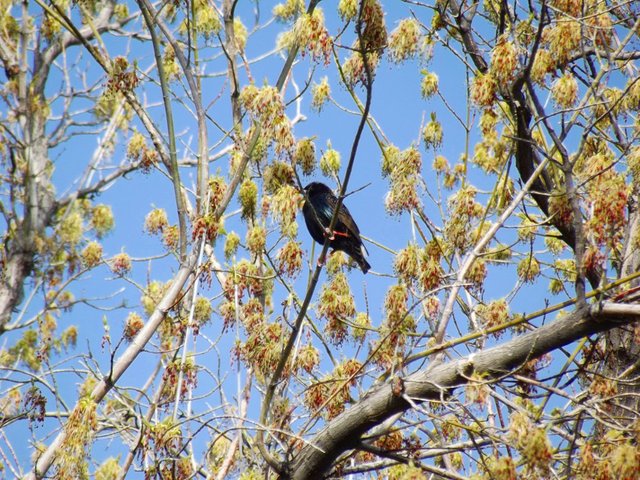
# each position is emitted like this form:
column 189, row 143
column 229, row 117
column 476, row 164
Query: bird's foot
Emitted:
column 321, row 260
column 332, row 234
column 329, row 233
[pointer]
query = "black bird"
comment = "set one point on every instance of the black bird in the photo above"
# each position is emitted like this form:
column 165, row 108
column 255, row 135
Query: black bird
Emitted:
column 320, row 202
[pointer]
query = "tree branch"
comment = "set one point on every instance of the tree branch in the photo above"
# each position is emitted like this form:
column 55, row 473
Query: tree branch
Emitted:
column 47, row 458
column 435, row 383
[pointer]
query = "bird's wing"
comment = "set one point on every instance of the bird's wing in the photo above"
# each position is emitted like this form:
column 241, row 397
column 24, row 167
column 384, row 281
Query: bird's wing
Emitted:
column 345, row 222
column 348, row 221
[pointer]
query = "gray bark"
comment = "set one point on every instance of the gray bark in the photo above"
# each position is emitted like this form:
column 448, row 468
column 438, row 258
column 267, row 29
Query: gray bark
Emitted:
column 344, row 432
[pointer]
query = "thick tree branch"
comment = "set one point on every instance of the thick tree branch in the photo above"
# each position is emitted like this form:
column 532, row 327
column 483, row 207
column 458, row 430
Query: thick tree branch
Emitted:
column 436, row 383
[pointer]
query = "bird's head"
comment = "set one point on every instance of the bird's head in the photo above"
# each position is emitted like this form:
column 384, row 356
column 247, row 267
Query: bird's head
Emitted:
column 316, row 187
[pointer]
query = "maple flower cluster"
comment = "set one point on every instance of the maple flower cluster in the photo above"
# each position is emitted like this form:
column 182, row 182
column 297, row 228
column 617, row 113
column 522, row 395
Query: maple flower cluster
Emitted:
column 403, row 170
column 266, row 107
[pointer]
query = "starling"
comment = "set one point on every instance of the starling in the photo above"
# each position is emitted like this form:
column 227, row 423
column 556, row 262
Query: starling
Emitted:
column 320, row 202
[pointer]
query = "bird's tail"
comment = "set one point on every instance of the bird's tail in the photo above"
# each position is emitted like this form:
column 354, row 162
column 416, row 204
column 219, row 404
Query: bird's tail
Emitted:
column 364, row 265
column 358, row 255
